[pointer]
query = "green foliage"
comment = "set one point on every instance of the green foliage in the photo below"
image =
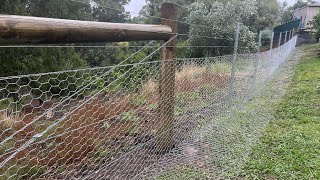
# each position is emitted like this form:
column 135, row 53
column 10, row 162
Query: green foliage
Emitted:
column 178, row 111
column 63, row 9
column 187, row 97
column 7, row 145
column 92, row 84
column 210, row 89
column 137, row 73
column 290, row 147
column 183, row 51
column 24, row 172
column 106, row 153
column 106, row 125
column 152, row 10
column 132, row 76
column 316, row 26
column 286, row 12
column 268, row 13
column 135, row 129
column 139, row 100
column 129, row 116
column 153, row 106
column 221, row 67
column 103, row 14
column 16, row 61
column 187, row 101
column 302, row 3
column 221, row 18
column 13, row 7
column 183, row 173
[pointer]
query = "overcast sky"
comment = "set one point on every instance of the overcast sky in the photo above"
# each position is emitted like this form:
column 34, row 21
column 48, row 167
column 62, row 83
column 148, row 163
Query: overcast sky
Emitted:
column 136, row 5
column 291, row 2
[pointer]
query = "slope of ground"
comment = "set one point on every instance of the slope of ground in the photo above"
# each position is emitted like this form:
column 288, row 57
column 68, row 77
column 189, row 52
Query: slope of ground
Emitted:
column 221, row 147
column 290, row 147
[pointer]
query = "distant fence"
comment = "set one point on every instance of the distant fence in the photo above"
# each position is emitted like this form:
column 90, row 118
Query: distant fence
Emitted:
column 295, row 24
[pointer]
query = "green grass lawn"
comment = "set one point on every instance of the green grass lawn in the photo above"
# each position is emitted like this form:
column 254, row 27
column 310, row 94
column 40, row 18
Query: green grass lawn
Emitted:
column 290, row 147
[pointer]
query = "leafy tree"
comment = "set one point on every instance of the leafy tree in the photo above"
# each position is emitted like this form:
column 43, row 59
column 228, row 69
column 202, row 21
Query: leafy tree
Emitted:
column 110, row 11
column 150, row 13
column 316, row 26
column 286, row 12
column 267, row 12
column 36, row 60
column 32, row 59
column 302, row 3
column 267, row 15
column 17, row 61
column 220, row 19
column 215, row 14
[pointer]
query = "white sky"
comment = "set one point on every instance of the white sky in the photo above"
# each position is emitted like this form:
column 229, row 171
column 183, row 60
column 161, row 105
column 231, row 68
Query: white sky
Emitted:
column 291, row 2
column 136, row 5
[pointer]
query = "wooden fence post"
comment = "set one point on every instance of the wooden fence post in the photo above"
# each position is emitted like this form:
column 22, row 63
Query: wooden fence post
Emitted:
column 234, row 64
column 271, row 43
column 271, row 46
column 167, row 82
column 280, row 38
column 286, row 36
column 279, row 45
column 256, row 62
column 290, row 35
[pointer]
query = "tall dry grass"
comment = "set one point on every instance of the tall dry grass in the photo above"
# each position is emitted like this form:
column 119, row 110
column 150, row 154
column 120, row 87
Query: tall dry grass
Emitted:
column 82, row 133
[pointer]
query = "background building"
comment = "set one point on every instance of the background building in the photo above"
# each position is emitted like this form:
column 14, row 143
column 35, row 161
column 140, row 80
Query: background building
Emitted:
column 306, row 15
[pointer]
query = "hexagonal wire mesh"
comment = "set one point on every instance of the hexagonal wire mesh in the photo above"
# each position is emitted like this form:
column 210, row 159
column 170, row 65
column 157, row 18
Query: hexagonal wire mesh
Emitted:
column 103, row 123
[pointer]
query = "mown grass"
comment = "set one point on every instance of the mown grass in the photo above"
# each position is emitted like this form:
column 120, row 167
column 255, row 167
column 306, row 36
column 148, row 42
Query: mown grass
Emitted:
column 183, row 173
column 290, row 147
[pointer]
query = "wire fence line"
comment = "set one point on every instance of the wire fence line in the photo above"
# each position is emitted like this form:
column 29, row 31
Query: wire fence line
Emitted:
column 103, row 123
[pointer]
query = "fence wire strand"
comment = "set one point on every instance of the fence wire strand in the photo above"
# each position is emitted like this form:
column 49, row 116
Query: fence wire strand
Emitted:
column 104, row 123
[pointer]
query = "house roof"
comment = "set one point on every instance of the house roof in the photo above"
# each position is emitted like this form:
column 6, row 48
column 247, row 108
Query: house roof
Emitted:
column 313, row 5
column 309, row 5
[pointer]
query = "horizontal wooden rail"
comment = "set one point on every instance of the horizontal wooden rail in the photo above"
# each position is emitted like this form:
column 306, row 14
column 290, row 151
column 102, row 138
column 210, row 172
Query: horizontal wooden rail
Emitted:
column 36, row 30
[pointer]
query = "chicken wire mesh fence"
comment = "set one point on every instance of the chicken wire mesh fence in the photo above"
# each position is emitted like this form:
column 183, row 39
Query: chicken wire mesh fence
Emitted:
column 105, row 123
